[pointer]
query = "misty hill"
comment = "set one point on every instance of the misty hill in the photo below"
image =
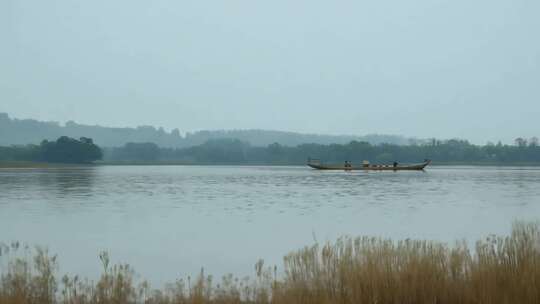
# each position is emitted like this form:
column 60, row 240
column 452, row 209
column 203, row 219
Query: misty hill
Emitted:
column 28, row 131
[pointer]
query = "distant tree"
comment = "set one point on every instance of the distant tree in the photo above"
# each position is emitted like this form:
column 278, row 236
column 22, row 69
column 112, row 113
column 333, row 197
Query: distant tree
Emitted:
column 520, row 142
column 69, row 150
column 175, row 133
column 4, row 117
column 86, row 140
column 533, row 142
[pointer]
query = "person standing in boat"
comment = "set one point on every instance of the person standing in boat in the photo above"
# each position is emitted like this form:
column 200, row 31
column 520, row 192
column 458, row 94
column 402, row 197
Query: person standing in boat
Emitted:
column 395, row 164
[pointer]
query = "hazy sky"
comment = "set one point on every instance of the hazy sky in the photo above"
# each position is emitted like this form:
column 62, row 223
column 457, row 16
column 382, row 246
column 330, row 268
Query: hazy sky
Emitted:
column 457, row 68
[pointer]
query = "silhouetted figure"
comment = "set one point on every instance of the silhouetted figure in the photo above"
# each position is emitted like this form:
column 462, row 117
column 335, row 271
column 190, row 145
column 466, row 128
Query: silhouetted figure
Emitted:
column 395, row 164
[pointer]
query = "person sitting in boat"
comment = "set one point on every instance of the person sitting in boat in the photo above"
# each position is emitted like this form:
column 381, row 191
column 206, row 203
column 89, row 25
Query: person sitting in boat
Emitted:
column 395, row 164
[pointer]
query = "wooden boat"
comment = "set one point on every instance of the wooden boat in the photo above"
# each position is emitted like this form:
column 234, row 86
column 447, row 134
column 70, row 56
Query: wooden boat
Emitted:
column 316, row 164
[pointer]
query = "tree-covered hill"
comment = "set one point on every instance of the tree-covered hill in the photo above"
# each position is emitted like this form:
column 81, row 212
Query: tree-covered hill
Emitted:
column 27, row 131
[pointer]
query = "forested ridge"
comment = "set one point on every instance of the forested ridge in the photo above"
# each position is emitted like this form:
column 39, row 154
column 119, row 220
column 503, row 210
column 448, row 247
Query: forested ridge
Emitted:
column 29, row 131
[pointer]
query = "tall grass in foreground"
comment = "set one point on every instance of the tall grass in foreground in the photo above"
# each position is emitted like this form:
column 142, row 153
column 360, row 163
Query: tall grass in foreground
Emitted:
column 361, row 270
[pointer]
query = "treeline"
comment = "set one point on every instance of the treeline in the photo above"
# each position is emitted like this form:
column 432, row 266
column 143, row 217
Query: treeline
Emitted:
column 63, row 150
column 234, row 151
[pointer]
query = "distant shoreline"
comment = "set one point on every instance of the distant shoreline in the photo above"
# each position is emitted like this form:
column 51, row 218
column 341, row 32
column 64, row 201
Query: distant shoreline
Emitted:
column 38, row 165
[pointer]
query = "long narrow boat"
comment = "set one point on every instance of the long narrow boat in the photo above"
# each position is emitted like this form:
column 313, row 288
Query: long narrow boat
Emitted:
column 316, row 164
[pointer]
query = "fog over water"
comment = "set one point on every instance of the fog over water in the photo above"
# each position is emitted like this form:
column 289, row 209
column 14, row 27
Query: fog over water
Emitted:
column 425, row 68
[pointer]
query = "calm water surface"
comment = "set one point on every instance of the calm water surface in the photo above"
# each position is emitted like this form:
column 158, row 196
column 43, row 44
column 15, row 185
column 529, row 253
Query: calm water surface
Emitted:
column 169, row 221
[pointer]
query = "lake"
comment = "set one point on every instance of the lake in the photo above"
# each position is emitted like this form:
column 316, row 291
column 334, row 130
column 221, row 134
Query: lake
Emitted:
column 169, row 221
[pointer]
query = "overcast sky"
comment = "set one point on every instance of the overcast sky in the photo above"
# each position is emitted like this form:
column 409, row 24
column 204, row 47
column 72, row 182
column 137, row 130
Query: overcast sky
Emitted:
column 424, row 68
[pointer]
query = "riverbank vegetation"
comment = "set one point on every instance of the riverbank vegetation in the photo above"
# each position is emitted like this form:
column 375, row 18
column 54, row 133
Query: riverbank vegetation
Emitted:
column 64, row 150
column 33, row 165
column 233, row 151
column 359, row 270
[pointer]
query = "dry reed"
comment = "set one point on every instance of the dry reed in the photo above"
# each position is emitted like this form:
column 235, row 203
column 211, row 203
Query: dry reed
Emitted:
column 360, row 270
